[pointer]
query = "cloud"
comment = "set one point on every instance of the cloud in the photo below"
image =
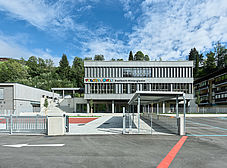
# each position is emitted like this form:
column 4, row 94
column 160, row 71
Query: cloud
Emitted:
column 40, row 13
column 169, row 29
column 108, row 47
column 10, row 48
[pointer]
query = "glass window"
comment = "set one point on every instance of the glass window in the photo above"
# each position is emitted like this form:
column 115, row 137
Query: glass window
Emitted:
column 125, row 87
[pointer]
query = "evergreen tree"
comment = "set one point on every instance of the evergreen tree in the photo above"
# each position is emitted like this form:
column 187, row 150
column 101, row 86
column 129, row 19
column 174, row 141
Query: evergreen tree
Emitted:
column 146, row 58
column 77, row 72
column 130, row 58
column 210, row 65
column 139, row 56
column 64, row 68
column 220, row 54
column 196, row 58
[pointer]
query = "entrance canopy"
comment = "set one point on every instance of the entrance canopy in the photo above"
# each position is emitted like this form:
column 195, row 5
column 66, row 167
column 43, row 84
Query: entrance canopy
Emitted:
column 147, row 97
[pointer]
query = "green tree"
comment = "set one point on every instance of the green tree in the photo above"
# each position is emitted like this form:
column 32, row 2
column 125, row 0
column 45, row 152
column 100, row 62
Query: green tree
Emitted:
column 139, row 56
column 13, row 71
column 146, row 58
column 210, row 65
column 64, row 68
column 120, row 59
column 130, row 58
column 77, row 72
column 88, row 58
column 32, row 64
column 220, row 54
column 197, row 59
column 99, row 58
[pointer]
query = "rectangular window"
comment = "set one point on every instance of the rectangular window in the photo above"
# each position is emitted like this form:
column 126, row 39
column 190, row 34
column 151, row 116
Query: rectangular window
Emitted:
column 125, row 88
column 1, row 93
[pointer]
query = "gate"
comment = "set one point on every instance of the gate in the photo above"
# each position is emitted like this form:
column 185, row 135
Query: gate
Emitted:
column 23, row 124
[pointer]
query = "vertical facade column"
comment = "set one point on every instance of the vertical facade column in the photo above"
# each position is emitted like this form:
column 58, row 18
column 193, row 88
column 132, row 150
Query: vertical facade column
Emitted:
column 88, row 107
column 163, row 107
column 177, row 112
column 112, row 106
column 74, row 108
column 63, row 94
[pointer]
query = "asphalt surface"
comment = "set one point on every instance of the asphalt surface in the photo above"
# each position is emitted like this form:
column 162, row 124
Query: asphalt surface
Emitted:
column 127, row 151
column 206, row 126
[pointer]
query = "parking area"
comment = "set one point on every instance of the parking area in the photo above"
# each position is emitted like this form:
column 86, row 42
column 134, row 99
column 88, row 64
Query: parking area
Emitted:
column 203, row 126
column 128, row 151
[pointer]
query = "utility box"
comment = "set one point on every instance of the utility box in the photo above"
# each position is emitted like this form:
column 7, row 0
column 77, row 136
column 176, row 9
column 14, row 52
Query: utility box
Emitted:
column 56, row 125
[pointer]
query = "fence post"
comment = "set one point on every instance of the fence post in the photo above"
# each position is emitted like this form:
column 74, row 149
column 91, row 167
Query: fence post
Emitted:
column 11, row 123
column 130, row 122
column 36, row 122
column 123, row 120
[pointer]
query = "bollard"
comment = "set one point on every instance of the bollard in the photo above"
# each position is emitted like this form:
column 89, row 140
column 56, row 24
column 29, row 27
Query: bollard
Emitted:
column 123, row 120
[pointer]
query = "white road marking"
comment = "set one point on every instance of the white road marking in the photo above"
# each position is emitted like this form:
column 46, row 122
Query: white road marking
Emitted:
column 38, row 145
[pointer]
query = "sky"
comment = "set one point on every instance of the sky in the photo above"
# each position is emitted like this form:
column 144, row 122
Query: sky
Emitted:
column 84, row 28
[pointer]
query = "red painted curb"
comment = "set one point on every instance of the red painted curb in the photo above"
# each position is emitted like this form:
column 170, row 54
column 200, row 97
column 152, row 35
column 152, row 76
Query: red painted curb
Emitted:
column 171, row 155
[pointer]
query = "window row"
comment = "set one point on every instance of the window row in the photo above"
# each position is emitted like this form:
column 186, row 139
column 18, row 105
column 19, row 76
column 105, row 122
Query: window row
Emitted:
column 125, row 88
column 155, row 72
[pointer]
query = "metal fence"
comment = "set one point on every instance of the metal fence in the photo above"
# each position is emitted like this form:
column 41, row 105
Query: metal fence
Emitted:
column 207, row 110
column 23, row 124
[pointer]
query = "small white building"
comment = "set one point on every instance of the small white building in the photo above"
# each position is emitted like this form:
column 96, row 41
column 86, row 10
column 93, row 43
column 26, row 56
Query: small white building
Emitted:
column 16, row 98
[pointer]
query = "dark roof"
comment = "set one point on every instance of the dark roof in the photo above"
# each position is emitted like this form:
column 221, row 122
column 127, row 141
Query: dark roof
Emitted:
column 211, row 75
column 4, row 59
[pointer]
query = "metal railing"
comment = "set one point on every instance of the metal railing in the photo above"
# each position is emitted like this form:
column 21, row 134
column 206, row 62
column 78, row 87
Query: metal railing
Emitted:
column 207, row 110
column 23, row 124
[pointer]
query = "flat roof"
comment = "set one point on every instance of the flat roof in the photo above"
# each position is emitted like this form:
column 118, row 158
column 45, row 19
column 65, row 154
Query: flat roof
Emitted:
column 147, row 97
column 67, row 89
column 138, row 63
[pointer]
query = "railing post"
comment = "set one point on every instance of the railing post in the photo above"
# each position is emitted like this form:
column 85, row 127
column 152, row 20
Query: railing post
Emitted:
column 11, row 123
column 36, row 122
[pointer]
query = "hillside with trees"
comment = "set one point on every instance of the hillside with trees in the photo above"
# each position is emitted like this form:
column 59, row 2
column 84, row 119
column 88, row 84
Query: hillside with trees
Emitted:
column 214, row 60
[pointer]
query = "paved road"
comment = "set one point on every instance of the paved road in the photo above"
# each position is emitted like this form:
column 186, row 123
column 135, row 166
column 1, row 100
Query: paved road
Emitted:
column 207, row 126
column 127, row 151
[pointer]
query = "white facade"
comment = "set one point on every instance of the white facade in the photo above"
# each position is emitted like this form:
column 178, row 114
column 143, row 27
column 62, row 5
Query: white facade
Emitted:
column 19, row 98
column 117, row 81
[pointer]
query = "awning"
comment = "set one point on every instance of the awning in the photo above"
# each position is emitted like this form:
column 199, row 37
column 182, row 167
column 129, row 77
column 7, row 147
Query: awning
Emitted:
column 147, row 97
